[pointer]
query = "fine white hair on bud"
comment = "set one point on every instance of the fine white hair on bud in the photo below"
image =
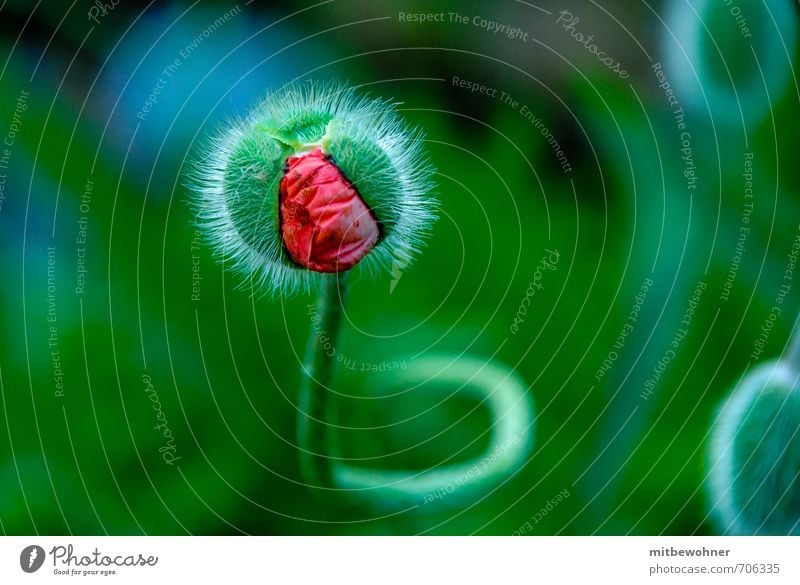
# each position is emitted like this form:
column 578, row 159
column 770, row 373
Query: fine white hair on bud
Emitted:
column 315, row 179
column 754, row 463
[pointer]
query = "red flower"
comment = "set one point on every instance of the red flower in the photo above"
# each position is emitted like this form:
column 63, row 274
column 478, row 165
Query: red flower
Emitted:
column 325, row 224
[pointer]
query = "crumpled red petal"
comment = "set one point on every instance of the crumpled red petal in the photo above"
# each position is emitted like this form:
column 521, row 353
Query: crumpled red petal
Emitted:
column 325, row 225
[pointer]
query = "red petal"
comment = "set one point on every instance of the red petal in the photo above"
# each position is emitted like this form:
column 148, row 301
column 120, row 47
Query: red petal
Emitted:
column 325, row 224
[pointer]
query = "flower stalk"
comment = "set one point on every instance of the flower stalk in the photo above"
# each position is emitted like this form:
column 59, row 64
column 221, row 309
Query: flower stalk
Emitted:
column 793, row 351
column 450, row 485
column 316, row 440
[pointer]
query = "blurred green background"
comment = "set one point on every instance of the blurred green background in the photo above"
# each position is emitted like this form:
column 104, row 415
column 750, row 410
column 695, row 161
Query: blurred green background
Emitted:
column 94, row 179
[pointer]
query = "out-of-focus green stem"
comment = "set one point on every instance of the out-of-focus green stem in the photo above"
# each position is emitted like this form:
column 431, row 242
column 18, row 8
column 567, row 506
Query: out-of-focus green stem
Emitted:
column 793, row 351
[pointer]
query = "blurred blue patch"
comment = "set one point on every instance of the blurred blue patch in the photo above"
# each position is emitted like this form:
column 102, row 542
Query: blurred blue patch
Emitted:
column 178, row 73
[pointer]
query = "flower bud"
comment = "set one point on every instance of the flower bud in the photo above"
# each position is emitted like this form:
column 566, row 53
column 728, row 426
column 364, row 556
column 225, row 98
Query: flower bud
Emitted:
column 326, row 226
column 315, row 180
column 754, row 476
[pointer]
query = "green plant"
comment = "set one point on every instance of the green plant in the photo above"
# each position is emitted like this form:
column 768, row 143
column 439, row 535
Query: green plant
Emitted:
column 755, row 451
column 318, row 181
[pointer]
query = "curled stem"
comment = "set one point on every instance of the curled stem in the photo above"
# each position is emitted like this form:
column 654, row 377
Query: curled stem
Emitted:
column 501, row 390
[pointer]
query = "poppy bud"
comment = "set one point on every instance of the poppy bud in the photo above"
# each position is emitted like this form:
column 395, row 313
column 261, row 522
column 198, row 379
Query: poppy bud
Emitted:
column 326, row 225
column 755, row 454
column 315, row 180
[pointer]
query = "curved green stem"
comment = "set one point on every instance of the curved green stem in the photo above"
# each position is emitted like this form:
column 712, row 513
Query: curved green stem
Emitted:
column 793, row 351
column 501, row 390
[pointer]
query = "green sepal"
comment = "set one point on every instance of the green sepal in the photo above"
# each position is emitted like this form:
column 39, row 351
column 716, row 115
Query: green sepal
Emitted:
column 251, row 189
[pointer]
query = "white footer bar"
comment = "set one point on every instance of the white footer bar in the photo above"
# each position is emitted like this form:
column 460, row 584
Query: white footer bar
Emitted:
column 401, row 560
